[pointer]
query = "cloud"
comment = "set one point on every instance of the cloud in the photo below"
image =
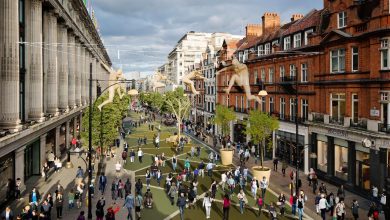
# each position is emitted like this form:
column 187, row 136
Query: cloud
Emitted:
column 145, row 31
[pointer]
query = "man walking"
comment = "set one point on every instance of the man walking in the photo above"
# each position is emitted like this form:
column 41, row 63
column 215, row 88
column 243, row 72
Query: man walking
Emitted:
column 181, row 202
column 263, row 186
column 102, row 183
column 129, row 204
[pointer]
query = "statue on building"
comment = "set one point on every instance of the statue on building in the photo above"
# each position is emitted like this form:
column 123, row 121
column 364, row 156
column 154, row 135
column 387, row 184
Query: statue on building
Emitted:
column 113, row 86
column 187, row 79
column 241, row 77
column 156, row 81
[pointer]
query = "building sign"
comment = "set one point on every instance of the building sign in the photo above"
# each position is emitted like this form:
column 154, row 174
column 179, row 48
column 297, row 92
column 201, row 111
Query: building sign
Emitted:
column 374, row 113
column 337, row 132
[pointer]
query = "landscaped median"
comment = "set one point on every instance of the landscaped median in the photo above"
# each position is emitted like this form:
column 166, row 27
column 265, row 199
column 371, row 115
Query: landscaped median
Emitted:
column 162, row 208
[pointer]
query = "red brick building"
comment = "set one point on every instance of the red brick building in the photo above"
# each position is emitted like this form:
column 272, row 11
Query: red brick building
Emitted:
column 338, row 60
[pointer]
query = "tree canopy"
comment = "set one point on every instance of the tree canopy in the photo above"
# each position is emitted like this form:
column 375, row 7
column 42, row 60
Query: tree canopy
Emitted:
column 261, row 125
column 223, row 116
column 105, row 124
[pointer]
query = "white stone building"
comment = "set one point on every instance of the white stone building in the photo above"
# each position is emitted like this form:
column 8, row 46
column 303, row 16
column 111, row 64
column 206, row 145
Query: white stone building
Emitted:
column 47, row 50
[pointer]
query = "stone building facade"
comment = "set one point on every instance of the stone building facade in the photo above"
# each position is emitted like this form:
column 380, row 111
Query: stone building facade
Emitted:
column 48, row 48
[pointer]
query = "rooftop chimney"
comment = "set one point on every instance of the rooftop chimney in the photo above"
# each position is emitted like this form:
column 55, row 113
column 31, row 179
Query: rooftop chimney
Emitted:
column 296, row 17
column 271, row 21
column 253, row 30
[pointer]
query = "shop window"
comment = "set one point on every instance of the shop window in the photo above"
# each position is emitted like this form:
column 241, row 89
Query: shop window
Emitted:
column 341, row 162
column 6, row 172
column 322, row 156
column 363, row 170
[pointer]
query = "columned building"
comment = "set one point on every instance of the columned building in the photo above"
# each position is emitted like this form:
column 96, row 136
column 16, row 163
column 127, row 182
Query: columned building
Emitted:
column 47, row 49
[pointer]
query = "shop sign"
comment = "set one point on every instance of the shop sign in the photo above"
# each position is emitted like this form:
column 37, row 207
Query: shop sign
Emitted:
column 374, row 113
column 337, row 132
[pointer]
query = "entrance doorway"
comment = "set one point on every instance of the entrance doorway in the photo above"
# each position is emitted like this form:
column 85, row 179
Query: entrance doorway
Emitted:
column 32, row 160
column 239, row 133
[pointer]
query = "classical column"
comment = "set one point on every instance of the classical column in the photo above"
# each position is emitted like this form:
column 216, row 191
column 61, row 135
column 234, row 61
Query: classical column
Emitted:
column 9, row 65
column 36, row 66
column 75, row 127
column 77, row 74
column 57, row 151
column 86, row 75
column 82, row 74
column 50, row 61
column 80, row 122
column 71, row 69
column 19, row 166
column 67, row 134
column 62, row 57
column 43, row 148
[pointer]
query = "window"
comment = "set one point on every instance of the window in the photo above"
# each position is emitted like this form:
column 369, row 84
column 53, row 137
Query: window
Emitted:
column 304, row 109
column 271, row 104
column 337, row 110
column 292, row 109
column 384, row 54
column 341, row 161
column 245, row 56
column 260, row 50
column 292, row 71
column 240, row 56
column 267, row 49
column 342, row 19
column 282, row 108
column 287, row 43
column 242, row 103
column 262, row 72
column 355, row 108
column 282, row 73
column 355, row 59
column 275, row 42
column 236, row 107
column 263, row 105
column 297, row 40
column 271, row 75
column 256, row 77
column 322, row 155
column 337, row 61
column 303, row 72
column 307, row 33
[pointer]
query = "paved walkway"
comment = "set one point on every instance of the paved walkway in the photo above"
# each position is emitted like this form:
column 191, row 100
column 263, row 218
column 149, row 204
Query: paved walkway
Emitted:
column 280, row 184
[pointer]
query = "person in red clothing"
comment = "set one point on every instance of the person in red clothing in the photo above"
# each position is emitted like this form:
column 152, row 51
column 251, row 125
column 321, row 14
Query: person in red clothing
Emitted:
column 74, row 142
column 226, row 207
column 111, row 212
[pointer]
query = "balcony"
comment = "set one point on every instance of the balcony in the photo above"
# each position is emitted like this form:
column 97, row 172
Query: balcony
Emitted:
column 288, row 79
column 318, row 117
column 384, row 128
column 359, row 124
column 288, row 118
column 336, row 120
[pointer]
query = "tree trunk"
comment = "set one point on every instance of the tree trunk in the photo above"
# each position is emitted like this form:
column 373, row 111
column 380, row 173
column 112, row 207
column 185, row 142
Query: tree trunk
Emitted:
column 261, row 155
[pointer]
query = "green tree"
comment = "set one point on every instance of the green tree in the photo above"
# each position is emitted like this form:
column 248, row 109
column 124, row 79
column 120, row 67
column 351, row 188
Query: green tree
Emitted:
column 223, row 117
column 105, row 123
column 260, row 127
column 178, row 104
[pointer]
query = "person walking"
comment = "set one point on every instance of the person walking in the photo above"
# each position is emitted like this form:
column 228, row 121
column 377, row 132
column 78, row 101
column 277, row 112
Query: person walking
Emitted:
column 59, row 205
column 111, row 212
column 138, row 187
column 300, row 205
column 132, row 156
column 263, row 186
column 242, row 200
column 172, row 193
column 340, row 209
column 127, row 187
column 100, row 209
column 272, row 211
column 79, row 175
column 355, row 209
column 138, row 205
column 260, row 203
column 140, row 155
column 323, row 205
column 71, row 197
column 254, row 186
column 181, row 203
column 282, row 203
column 129, row 204
column 276, row 161
column 7, row 214
column 114, row 190
column 226, row 207
column 81, row 216
column 284, row 167
column 174, row 162
column 207, row 205
column 102, row 183
column 373, row 212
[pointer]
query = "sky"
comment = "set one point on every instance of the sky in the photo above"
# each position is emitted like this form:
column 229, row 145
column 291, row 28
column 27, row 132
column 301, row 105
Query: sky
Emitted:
column 143, row 32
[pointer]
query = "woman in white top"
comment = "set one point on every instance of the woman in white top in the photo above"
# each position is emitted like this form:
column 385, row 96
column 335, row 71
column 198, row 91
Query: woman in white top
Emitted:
column 254, row 187
column 322, row 205
column 207, row 204
column 118, row 167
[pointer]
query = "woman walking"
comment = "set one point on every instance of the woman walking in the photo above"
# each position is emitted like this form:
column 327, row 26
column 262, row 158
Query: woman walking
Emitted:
column 242, row 200
column 138, row 204
column 207, row 204
column 100, row 209
column 260, row 204
column 300, row 206
column 281, row 203
column 226, row 207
